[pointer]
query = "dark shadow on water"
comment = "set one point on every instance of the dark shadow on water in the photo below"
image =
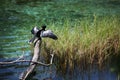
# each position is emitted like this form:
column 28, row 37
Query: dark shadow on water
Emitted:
column 115, row 64
column 114, row 2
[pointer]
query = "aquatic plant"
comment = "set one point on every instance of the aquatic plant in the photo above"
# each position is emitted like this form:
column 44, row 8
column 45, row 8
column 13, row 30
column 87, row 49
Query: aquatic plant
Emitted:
column 84, row 42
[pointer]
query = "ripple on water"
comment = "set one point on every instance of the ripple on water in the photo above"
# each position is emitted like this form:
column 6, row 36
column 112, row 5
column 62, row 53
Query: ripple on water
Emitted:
column 7, row 37
column 12, row 46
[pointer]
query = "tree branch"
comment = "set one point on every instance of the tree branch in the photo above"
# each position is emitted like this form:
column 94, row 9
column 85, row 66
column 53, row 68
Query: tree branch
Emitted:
column 36, row 62
column 33, row 62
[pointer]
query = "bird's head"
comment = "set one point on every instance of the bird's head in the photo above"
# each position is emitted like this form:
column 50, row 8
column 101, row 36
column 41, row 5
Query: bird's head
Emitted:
column 43, row 27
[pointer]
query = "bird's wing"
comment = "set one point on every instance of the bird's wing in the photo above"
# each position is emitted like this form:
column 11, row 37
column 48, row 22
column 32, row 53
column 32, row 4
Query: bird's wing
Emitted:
column 48, row 33
column 34, row 30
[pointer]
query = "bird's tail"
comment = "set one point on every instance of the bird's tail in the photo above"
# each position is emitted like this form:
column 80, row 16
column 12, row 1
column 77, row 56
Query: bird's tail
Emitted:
column 32, row 40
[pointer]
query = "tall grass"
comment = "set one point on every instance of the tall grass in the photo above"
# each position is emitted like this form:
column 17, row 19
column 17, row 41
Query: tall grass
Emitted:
column 85, row 41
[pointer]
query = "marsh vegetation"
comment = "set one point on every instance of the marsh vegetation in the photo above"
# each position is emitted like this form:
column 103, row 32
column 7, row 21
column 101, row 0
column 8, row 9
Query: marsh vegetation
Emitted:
column 87, row 41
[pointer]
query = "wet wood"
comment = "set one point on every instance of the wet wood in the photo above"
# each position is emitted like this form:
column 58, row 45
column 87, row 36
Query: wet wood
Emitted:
column 33, row 63
column 35, row 58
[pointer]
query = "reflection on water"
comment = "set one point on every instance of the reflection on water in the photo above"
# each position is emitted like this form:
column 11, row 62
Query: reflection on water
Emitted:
column 17, row 17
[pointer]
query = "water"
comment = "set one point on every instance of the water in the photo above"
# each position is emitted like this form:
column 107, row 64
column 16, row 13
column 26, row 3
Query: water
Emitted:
column 17, row 17
column 12, row 72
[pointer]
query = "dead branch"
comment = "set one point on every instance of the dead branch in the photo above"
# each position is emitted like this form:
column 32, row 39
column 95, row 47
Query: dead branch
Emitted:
column 37, row 46
column 33, row 62
column 36, row 62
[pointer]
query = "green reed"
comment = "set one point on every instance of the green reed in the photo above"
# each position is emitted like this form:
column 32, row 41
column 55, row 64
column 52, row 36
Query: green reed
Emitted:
column 85, row 41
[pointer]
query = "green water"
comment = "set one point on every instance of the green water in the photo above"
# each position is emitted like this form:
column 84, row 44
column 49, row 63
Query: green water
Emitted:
column 17, row 17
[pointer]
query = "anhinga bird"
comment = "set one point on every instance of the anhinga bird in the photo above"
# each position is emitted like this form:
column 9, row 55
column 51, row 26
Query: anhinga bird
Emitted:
column 42, row 33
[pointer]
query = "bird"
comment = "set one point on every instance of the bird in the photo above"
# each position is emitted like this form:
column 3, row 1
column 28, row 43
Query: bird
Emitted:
column 34, row 30
column 42, row 33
